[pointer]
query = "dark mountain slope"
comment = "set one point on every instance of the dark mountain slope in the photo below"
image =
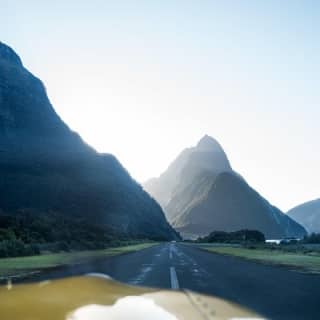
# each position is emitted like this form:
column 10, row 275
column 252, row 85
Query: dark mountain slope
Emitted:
column 308, row 215
column 230, row 205
column 46, row 169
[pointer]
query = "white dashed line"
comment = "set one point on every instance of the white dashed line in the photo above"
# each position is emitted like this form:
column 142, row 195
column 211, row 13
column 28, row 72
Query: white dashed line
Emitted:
column 170, row 253
column 174, row 278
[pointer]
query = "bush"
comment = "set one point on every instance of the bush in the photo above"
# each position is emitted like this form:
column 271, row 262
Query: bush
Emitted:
column 312, row 238
column 15, row 248
column 24, row 233
column 7, row 234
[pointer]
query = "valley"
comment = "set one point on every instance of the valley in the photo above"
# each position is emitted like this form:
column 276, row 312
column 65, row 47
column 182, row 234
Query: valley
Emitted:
column 159, row 160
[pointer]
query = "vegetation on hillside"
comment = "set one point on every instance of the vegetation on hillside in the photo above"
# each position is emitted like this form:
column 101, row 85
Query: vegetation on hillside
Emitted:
column 26, row 234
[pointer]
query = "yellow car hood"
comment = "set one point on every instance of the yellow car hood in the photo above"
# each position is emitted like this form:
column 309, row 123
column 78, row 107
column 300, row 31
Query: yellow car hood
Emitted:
column 101, row 298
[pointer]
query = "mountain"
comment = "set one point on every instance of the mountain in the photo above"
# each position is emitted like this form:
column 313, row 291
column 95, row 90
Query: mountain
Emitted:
column 201, row 193
column 47, row 172
column 308, row 215
column 207, row 156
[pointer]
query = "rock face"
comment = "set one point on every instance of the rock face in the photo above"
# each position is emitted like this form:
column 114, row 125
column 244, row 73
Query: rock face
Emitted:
column 46, row 168
column 308, row 215
column 201, row 193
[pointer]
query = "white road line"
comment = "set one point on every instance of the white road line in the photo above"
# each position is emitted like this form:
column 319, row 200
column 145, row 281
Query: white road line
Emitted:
column 171, row 247
column 142, row 275
column 174, row 278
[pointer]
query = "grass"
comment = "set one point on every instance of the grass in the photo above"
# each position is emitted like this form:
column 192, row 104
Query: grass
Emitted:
column 305, row 262
column 23, row 266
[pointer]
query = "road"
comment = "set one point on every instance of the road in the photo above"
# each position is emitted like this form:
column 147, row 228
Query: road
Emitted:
column 275, row 292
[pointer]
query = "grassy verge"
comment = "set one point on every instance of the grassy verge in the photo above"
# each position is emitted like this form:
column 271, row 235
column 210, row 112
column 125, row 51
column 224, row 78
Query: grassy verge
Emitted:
column 306, row 262
column 23, row 266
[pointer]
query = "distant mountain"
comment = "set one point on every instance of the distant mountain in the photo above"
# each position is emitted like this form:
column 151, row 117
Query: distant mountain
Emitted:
column 201, row 193
column 207, row 156
column 46, row 170
column 308, row 215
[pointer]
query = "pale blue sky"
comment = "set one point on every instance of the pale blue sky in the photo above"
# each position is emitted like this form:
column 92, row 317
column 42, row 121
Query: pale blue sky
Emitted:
column 145, row 79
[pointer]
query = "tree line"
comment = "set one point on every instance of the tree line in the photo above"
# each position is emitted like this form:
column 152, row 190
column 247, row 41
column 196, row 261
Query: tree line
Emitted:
column 233, row 237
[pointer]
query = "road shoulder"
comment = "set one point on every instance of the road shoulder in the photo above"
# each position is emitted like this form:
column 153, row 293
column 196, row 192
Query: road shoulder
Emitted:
column 18, row 268
column 307, row 263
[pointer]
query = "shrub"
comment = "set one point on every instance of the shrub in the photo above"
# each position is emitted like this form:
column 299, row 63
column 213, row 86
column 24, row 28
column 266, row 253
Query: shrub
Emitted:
column 15, row 248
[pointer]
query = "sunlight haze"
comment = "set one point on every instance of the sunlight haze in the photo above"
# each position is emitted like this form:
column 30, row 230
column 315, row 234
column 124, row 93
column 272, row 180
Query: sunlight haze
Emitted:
column 143, row 81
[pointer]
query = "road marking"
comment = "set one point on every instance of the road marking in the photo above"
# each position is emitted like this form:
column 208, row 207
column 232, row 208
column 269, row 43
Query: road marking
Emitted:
column 171, row 249
column 174, row 278
column 147, row 268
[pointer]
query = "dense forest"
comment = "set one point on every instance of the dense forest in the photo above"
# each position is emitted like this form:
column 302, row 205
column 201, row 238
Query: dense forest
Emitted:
column 25, row 234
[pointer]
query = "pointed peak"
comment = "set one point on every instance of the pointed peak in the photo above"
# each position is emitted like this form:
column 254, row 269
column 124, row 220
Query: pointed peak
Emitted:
column 208, row 143
column 8, row 54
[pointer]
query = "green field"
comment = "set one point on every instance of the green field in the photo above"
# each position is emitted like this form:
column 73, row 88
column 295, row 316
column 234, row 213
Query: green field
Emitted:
column 24, row 266
column 305, row 262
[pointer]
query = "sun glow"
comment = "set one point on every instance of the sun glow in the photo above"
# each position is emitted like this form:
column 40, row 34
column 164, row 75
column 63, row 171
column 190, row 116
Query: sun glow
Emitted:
column 143, row 84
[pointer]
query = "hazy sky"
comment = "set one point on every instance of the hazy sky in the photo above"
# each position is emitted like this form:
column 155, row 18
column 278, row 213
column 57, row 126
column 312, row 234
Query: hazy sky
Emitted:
column 145, row 79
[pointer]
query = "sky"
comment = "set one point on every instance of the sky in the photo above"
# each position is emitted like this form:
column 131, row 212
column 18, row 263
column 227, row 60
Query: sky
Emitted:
column 145, row 79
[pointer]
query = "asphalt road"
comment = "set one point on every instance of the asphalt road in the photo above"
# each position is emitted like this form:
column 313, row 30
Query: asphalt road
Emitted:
column 275, row 292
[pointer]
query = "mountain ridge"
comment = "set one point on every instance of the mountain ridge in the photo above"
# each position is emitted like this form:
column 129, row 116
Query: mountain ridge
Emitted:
column 207, row 195
column 205, row 146
column 307, row 214
column 47, row 168
column 8, row 54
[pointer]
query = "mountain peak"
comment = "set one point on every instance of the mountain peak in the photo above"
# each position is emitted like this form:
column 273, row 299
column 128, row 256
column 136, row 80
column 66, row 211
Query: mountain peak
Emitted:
column 8, row 54
column 208, row 143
